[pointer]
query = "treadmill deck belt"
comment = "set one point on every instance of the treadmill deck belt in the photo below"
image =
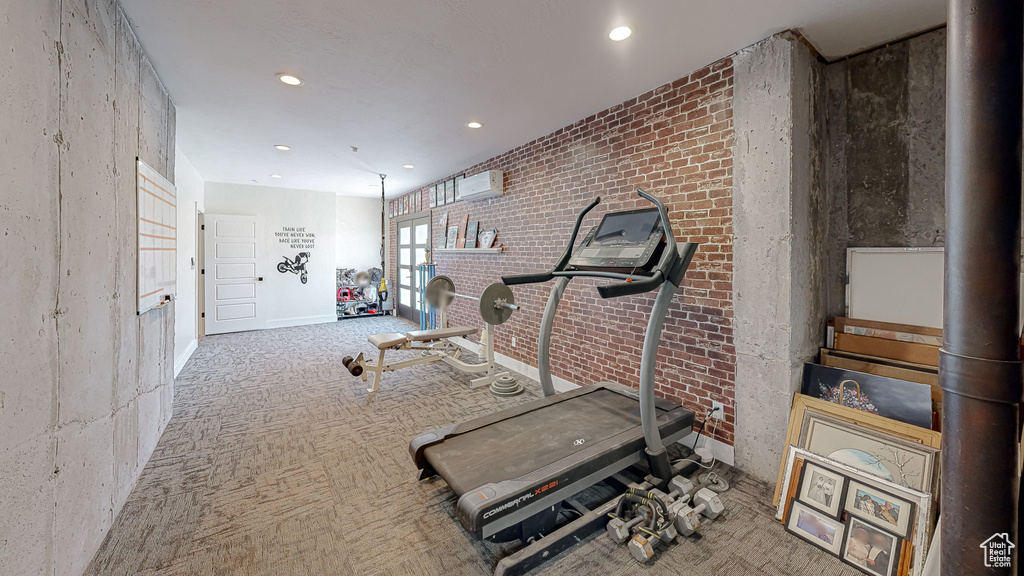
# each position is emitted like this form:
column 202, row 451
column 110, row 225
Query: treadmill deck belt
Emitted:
column 514, row 447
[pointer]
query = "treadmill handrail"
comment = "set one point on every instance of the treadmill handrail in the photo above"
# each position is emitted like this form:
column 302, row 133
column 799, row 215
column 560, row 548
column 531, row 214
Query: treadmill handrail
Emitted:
column 563, row 260
column 599, row 274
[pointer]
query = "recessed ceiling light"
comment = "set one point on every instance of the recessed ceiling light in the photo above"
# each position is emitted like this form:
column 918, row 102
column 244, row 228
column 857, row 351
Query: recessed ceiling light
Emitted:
column 275, row 175
column 475, row 125
column 289, row 79
column 619, row 34
column 409, row 166
column 282, row 147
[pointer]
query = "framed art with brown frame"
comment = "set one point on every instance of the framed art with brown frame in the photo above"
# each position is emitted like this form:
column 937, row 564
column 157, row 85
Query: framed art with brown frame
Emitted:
column 863, row 420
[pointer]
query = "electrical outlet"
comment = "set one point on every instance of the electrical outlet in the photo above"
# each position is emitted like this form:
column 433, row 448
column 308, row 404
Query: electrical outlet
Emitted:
column 718, row 411
column 513, row 341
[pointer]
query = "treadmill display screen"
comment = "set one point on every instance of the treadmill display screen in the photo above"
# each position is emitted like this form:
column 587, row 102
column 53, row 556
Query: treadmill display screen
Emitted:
column 626, row 228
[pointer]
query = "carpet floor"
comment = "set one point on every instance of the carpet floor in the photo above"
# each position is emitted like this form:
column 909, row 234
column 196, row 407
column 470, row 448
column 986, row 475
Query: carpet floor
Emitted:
column 275, row 463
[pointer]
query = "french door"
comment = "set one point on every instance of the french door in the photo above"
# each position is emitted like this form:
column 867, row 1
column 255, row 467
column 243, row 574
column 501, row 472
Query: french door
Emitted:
column 413, row 240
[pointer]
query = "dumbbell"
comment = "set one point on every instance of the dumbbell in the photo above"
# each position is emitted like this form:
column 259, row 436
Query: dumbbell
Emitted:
column 355, row 368
column 642, row 546
column 707, row 503
column 618, row 530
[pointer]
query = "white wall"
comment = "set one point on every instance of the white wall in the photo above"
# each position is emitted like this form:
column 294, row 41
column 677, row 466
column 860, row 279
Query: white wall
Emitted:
column 358, row 240
column 286, row 301
column 190, row 199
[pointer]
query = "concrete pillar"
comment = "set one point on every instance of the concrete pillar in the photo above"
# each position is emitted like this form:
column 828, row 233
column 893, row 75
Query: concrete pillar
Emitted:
column 779, row 249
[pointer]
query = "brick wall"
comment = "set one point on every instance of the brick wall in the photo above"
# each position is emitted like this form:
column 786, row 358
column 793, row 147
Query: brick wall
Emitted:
column 675, row 142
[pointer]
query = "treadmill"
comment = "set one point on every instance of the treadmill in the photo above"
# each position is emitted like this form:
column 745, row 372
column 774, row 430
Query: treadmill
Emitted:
column 514, row 470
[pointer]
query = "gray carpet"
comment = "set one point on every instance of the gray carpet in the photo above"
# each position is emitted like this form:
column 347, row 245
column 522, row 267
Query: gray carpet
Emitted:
column 275, row 464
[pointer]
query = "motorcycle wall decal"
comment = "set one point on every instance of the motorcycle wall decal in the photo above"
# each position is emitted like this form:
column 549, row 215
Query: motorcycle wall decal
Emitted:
column 297, row 266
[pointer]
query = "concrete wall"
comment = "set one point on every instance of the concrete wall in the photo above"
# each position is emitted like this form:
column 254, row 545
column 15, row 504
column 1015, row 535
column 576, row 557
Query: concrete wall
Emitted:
column 779, row 256
column 284, row 299
column 87, row 384
column 357, row 244
column 191, row 194
column 885, row 151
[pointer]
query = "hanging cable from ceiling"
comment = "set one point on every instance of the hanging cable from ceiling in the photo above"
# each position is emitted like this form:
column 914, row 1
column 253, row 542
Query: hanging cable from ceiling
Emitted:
column 383, row 288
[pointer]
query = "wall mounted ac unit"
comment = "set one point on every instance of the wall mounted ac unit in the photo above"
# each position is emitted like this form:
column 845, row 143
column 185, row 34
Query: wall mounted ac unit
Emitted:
column 484, row 185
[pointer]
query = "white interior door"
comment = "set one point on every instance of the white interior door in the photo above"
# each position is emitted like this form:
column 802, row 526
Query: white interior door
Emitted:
column 232, row 274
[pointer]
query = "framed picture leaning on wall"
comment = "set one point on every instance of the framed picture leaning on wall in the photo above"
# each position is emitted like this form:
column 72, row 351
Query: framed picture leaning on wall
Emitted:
column 816, row 527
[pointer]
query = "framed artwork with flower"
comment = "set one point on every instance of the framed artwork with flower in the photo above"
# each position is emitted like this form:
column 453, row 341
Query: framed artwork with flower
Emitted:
column 901, row 400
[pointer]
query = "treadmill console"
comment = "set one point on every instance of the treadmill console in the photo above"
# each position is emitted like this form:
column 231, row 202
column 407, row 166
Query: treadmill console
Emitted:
column 632, row 239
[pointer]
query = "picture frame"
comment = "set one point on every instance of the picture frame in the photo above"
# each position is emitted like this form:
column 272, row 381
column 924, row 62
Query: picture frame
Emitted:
column 449, row 191
column 901, row 400
column 816, row 527
column 877, row 453
column 443, row 225
column 453, row 237
column 802, row 403
column 439, row 192
column 391, row 209
column 878, row 507
column 871, row 549
column 458, row 182
column 924, row 509
column 822, row 489
column 487, row 238
column 471, row 233
column 432, row 196
column 416, row 201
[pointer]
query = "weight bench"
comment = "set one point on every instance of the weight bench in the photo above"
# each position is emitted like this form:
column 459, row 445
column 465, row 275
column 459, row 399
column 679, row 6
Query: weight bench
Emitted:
column 435, row 346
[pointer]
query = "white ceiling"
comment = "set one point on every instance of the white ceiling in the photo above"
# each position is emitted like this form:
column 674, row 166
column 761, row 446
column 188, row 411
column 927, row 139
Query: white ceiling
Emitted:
column 400, row 79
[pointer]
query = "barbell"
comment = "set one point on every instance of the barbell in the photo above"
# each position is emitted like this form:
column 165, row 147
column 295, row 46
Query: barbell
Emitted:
column 496, row 302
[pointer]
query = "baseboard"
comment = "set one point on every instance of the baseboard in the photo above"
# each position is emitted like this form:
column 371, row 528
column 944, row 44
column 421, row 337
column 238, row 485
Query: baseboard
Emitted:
column 304, row 321
column 180, row 363
column 560, row 384
column 723, row 452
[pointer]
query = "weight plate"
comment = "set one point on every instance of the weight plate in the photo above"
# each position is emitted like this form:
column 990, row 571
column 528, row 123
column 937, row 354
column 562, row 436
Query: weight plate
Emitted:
column 489, row 309
column 439, row 291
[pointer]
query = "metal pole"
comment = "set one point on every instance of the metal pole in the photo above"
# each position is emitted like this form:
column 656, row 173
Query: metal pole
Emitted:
column 980, row 369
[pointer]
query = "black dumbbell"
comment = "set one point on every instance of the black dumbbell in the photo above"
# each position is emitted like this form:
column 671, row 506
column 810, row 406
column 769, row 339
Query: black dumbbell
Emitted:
column 353, row 367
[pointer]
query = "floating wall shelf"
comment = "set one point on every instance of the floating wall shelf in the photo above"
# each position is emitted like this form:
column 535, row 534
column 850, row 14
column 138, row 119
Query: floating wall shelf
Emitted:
column 469, row 250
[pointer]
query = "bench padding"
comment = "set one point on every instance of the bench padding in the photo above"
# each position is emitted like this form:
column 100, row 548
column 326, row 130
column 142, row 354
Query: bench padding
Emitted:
column 386, row 341
column 430, row 335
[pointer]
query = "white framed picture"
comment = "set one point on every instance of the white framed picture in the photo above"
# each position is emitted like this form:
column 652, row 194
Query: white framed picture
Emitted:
column 922, row 519
column 816, row 527
column 822, row 488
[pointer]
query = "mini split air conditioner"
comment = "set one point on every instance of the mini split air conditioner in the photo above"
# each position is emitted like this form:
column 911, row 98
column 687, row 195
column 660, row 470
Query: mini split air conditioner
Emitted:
column 484, row 185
